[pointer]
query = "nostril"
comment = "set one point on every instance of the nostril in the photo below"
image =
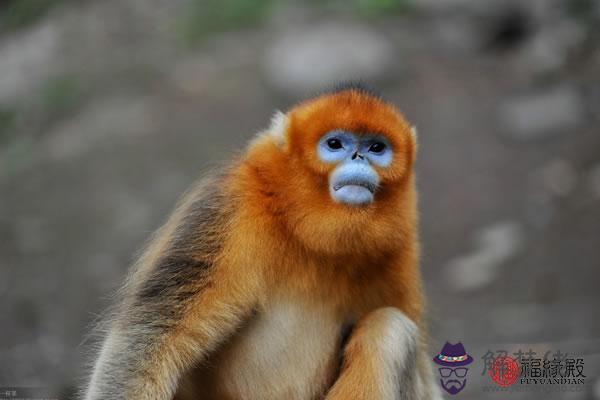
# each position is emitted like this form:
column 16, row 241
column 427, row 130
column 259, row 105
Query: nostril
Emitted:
column 354, row 155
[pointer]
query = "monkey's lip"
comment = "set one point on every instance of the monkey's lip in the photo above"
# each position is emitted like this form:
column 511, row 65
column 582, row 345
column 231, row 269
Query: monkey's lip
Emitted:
column 371, row 187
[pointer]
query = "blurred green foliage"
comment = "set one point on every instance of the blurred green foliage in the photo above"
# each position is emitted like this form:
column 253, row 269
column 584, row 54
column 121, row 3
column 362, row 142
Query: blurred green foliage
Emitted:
column 584, row 10
column 60, row 93
column 15, row 14
column 209, row 16
column 580, row 8
column 369, row 8
column 16, row 152
column 7, row 122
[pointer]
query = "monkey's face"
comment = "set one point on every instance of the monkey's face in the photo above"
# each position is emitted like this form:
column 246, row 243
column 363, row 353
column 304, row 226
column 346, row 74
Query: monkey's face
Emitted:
column 337, row 172
column 354, row 180
column 357, row 146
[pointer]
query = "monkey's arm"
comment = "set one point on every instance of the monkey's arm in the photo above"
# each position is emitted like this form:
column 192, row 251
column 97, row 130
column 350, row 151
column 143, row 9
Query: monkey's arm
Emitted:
column 145, row 360
column 185, row 298
column 383, row 360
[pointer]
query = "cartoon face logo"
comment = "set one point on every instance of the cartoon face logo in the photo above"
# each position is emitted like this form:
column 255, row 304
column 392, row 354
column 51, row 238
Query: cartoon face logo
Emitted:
column 453, row 373
column 453, row 380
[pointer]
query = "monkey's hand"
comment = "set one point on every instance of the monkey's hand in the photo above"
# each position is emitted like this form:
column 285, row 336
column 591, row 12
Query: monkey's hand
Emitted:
column 381, row 360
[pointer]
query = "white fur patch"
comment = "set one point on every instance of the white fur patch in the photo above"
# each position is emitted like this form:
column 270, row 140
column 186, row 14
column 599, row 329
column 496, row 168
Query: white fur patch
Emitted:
column 398, row 350
column 108, row 346
column 276, row 130
column 278, row 127
column 290, row 347
column 413, row 130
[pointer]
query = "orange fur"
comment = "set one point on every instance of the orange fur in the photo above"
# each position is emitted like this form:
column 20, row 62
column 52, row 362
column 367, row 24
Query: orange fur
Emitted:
column 287, row 199
column 309, row 249
column 263, row 274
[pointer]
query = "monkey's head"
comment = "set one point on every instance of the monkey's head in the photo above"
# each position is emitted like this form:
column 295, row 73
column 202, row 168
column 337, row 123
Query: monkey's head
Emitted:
column 342, row 165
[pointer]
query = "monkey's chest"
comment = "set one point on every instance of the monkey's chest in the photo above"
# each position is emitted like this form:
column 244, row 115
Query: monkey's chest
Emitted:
column 291, row 351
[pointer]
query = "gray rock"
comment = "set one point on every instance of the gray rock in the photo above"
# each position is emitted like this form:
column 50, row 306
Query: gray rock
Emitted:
column 26, row 60
column 518, row 319
column 539, row 114
column 494, row 245
column 457, row 33
column 30, row 235
column 596, row 389
column 440, row 7
column 307, row 60
column 593, row 178
column 113, row 118
column 549, row 48
column 558, row 177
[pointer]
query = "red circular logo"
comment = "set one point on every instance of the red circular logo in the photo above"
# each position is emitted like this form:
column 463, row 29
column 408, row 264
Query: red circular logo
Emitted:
column 504, row 371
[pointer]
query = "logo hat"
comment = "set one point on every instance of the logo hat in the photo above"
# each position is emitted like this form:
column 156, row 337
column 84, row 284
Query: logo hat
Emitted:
column 453, row 355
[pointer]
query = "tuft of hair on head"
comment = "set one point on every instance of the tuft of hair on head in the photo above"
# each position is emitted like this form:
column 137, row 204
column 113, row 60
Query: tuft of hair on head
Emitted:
column 355, row 86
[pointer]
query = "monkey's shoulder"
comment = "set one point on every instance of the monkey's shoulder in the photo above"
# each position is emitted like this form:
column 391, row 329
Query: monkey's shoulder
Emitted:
column 179, row 258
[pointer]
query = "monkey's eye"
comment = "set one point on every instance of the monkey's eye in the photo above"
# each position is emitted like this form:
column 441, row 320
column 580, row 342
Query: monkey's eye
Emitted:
column 377, row 147
column 334, row 143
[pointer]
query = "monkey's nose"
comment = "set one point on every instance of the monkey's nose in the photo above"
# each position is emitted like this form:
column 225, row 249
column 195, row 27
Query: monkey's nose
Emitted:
column 357, row 155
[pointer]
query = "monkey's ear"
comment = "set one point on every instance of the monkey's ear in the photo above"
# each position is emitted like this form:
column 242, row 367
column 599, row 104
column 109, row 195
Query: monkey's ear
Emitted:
column 275, row 133
column 413, row 132
column 278, row 128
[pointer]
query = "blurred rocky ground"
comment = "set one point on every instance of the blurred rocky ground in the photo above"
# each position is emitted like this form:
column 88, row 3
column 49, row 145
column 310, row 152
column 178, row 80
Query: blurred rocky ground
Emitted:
column 110, row 109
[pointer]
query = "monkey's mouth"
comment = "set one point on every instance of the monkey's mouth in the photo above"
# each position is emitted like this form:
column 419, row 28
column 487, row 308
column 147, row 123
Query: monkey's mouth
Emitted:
column 357, row 189
column 371, row 187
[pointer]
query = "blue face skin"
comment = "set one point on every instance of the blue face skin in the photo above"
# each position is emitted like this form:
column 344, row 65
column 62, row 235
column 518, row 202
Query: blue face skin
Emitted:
column 354, row 180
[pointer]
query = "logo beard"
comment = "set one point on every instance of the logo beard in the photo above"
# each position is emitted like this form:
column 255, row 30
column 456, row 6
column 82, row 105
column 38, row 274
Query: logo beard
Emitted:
column 453, row 386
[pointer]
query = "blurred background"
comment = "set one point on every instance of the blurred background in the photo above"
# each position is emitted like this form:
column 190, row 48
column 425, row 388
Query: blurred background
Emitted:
column 110, row 109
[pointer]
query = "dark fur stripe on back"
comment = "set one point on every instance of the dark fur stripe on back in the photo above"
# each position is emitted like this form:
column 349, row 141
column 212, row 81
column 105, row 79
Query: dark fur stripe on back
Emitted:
column 183, row 269
column 162, row 286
